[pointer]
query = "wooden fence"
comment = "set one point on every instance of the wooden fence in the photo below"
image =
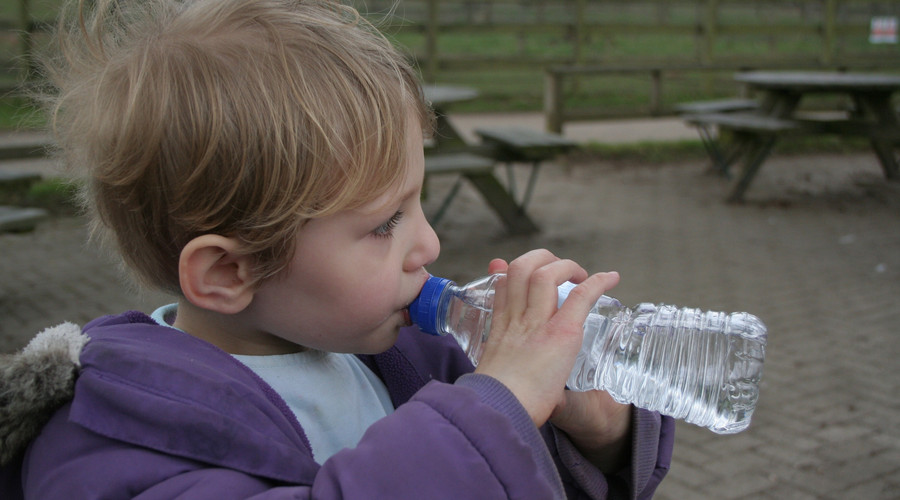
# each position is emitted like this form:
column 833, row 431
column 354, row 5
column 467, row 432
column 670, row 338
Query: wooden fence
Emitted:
column 503, row 47
column 593, row 32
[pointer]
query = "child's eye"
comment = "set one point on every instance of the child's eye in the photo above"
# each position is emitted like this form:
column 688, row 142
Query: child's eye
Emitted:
column 386, row 230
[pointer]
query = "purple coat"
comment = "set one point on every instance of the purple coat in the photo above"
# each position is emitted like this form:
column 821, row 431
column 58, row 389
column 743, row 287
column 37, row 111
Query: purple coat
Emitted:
column 160, row 414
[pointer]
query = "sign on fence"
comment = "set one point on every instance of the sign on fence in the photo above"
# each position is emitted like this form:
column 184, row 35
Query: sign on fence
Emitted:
column 883, row 30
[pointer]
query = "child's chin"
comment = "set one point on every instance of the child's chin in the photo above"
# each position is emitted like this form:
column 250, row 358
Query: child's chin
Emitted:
column 383, row 342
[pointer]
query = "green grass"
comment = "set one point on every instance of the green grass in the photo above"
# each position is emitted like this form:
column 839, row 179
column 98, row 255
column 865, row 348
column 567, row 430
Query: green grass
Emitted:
column 17, row 113
column 56, row 195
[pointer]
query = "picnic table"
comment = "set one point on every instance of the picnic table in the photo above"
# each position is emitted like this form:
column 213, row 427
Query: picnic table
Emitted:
column 442, row 98
column 450, row 153
column 755, row 131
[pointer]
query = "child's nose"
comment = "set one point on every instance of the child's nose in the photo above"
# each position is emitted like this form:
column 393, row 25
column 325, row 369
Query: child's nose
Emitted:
column 427, row 246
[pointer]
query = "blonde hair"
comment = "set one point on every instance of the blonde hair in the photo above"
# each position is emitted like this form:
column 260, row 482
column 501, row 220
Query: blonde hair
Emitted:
column 235, row 117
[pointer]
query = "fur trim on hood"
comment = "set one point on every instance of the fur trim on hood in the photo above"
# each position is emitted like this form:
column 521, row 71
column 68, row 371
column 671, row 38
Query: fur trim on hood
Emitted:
column 36, row 382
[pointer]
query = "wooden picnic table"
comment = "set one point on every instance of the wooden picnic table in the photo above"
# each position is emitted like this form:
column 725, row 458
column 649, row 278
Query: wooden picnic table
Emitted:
column 778, row 114
column 442, row 98
column 450, row 153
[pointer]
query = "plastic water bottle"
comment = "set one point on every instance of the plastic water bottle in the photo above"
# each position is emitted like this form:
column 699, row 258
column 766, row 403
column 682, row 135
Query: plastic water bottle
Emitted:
column 703, row 367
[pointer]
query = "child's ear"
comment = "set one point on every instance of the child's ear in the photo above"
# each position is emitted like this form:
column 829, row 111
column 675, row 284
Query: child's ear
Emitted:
column 214, row 275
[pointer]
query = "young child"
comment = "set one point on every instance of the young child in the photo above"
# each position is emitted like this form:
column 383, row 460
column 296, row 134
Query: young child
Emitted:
column 263, row 161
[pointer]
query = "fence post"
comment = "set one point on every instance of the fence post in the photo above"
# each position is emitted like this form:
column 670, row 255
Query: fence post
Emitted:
column 431, row 35
column 656, row 91
column 710, row 20
column 553, row 101
column 25, row 40
column 579, row 34
column 829, row 31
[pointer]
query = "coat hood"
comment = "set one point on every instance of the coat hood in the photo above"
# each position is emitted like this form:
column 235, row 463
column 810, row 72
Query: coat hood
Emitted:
column 36, row 382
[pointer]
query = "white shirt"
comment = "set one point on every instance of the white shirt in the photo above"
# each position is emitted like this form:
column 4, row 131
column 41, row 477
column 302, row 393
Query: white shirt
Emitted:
column 334, row 396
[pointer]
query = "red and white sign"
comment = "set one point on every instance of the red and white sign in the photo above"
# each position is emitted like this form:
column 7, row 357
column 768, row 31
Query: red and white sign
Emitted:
column 883, row 30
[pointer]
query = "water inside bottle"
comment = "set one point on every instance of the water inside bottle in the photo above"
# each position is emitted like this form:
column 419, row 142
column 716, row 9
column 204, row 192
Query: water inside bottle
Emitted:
column 677, row 362
column 702, row 367
column 470, row 324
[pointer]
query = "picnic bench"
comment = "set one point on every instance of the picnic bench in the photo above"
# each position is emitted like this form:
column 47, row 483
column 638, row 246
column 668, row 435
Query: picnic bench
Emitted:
column 507, row 145
column 716, row 106
column 748, row 131
column 19, row 219
column 707, row 116
column 450, row 154
column 753, row 133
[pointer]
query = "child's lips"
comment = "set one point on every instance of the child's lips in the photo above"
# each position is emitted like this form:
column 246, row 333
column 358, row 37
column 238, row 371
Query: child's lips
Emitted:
column 407, row 321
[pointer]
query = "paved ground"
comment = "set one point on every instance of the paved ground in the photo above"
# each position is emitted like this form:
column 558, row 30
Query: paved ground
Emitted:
column 813, row 252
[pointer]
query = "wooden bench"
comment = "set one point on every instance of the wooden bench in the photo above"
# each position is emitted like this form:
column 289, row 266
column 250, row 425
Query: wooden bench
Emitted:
column 24, row 148
column 511, row 145
column 18, row 180
column 475, row 163
column 20, row 220
column 692, row 109
column 751, row 125
column 754, row 136
column 517, row 144
column 457, row 163
column 479, row 170
column 716, row 106
column 744, row 122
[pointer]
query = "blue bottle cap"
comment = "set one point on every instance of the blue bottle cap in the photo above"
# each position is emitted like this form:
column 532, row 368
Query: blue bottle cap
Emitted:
column 423, row 310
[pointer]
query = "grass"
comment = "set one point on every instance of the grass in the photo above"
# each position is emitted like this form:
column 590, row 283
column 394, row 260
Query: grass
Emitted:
column 56, row 195
column 17, row 113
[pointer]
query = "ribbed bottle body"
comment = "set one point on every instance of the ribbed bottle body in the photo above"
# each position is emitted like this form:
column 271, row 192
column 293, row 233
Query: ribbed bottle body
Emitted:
column 703, row 367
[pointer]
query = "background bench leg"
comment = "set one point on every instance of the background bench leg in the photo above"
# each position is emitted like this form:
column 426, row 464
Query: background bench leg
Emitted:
column 513, row 216
column 512, row 184
column 532, row 181
column 711, row 144
column 445, row 204
column 885, row 152
column 757, row 152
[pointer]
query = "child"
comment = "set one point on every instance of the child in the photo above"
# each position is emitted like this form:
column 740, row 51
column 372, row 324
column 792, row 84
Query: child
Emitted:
column 262, row 160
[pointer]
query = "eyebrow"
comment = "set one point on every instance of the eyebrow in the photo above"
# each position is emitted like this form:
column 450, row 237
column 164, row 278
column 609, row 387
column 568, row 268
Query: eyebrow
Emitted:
column 412, row 191
column 377, row 206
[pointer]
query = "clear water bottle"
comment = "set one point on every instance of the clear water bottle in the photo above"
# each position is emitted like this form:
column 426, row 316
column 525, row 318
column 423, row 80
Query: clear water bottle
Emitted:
column 703, row 367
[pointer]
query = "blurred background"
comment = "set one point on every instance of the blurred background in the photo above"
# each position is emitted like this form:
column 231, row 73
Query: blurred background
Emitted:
column 632, row 52
column 812, row 250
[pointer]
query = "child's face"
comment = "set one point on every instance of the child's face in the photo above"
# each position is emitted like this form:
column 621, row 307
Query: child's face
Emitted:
column 355, row 272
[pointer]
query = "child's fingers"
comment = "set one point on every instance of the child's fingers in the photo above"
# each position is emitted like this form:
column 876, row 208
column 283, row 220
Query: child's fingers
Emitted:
column 519, row 277
column 497, row 266
column 543, row 295
column 583, row 297
column 533, row 278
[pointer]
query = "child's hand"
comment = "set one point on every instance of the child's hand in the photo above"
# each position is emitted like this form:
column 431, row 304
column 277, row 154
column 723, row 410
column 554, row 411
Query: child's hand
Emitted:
column 598, row 426
column 532, row 345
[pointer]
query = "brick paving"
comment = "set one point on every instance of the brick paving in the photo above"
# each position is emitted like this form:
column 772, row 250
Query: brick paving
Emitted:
column 813, row 252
